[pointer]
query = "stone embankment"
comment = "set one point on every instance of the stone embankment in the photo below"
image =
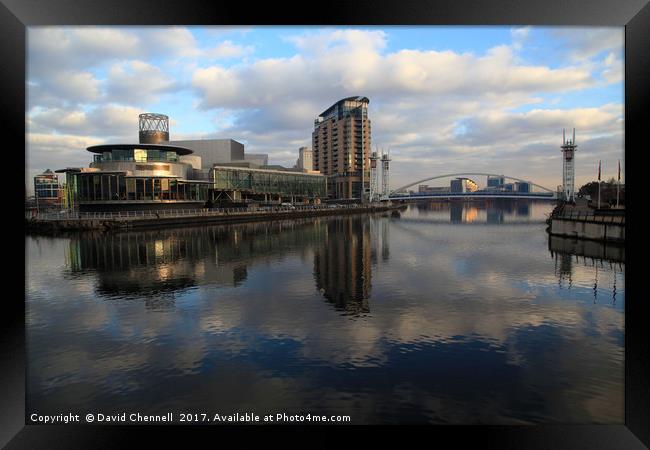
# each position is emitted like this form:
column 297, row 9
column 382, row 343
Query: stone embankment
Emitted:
column 53, row 223
column 582, row 222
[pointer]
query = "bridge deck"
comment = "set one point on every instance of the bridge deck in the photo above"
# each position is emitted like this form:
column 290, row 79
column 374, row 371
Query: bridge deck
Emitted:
column 528, row 195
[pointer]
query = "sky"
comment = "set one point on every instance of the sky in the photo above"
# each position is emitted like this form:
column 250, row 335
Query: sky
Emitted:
column 443, row 99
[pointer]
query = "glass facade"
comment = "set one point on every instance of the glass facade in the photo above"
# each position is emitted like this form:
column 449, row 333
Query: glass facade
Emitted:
column 138, row 155
column 47, row 187
column 269, row 182
column 92, row 187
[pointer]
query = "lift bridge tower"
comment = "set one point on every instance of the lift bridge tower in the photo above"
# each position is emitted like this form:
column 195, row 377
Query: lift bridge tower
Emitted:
column 385, row 172
column 568, row 166
column 374, row 178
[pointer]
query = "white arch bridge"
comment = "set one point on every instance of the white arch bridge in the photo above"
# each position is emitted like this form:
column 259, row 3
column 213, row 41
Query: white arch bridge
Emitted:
column 545, row 194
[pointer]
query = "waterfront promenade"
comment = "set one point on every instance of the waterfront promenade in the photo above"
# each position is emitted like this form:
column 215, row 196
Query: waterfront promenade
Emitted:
column 584, row 222
column 70, row 221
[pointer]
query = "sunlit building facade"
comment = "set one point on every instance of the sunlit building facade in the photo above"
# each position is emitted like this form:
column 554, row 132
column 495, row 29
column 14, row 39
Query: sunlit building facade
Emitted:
column 137, row 177
column 154, row 174
column 341, row 147
column 460, row 185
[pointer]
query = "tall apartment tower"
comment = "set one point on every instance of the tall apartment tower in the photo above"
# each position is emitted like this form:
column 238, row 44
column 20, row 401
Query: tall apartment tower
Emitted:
column 341, row 147
column 568, row 166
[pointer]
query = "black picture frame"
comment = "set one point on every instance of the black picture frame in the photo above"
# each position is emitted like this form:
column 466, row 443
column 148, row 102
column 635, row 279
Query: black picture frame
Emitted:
column 16, row 15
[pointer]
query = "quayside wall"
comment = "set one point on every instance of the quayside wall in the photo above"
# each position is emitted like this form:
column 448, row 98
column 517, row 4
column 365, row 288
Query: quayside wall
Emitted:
column 597, row 225
column 165, row 219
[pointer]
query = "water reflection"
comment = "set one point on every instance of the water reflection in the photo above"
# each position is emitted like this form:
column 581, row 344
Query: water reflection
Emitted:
column 607, row 257
column 342, row 264
column 390, row 320
column 151, row 263
column 490, row 211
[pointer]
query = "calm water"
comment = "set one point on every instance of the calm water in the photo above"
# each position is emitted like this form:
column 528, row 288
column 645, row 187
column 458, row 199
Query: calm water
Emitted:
column 461, row 313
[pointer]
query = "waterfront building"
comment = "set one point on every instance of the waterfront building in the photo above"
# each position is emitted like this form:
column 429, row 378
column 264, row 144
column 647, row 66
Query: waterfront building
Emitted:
column 305, row 159
column 243, row 185
column 521, row 186
column 426, row 189
column 136, row 177
column 48, row 192
column 460, row 185
column 160, row 175
column 341, row 147
column 495, row 181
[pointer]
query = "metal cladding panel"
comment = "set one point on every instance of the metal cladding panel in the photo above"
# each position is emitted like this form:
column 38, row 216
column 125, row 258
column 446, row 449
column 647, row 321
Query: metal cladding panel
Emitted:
column 153, row 137
column 214, row 151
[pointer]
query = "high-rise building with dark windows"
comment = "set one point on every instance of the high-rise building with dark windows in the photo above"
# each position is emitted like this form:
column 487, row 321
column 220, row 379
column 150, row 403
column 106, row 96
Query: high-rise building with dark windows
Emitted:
column 341, row 147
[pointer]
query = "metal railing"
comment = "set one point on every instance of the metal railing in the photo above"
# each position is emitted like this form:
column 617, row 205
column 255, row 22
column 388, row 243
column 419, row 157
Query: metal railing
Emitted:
column 588, row 216
column 172, row 213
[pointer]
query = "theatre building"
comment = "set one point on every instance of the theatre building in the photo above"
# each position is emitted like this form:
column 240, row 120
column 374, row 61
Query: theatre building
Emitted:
column 158, row 174
column 136, row 177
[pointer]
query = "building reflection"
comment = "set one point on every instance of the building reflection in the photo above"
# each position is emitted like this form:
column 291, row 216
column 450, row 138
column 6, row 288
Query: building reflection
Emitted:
column 462, row 212
column 158, row 262
column 600, row 257
column 490, row 211
column 342, row 267
column 385, row 236
column 494, row 215
column 523, row 209
column 154, row 265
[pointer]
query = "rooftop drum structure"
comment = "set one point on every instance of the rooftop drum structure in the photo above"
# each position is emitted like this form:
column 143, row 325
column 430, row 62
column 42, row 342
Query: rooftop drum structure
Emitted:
column 154, row 128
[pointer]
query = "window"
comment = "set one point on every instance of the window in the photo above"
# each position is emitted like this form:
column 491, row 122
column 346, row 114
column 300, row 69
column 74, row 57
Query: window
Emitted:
column 139, row 188
column 173, row 189
column 130, row 188
column 148, row 188
column 153, row 155
column 140, row 155
column 156, row 188
column 122, row 155
column 164, row 188
column 106, row 184
column 96, row 189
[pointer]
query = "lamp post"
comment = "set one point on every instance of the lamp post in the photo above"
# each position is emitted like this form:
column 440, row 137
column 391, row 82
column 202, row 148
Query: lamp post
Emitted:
column 599, row 184
column 618, row 185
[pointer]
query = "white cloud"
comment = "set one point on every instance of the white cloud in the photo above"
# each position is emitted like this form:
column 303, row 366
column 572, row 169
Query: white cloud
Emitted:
column 519, row 37
column 170, row 41
column 56, row 151
column 341, row 64
column 417, row 97
column 227, row 49
column 59, row 48
column 137, row 80
column 82, row 85
column 613, row 69
column 109, row 121
column 584, row 43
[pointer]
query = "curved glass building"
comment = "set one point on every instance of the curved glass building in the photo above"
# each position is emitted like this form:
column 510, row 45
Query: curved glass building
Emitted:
column 158, row 174
column 137, row 177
